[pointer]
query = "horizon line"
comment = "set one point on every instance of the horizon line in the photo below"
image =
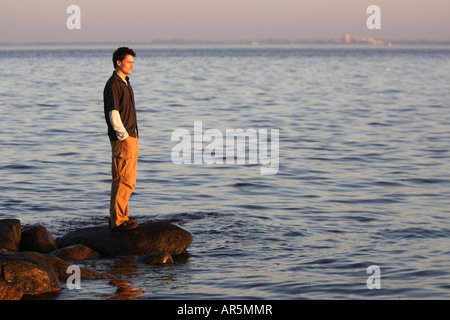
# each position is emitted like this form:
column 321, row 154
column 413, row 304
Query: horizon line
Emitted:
column 269, row 41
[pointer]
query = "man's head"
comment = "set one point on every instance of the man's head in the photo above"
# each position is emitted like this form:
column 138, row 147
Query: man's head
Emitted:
column 123, row 60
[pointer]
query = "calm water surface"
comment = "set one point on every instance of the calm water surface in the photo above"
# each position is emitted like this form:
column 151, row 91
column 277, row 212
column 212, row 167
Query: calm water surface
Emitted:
column 364, row 174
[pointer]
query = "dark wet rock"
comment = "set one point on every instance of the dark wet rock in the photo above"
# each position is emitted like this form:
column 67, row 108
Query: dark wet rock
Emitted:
column 37, row 238
column 34, row 271
column 149, row 238
column 159, row 258
column 10, row 235
column 76, row 252
column 9, row 292
column 29, row 275
column 60, row 266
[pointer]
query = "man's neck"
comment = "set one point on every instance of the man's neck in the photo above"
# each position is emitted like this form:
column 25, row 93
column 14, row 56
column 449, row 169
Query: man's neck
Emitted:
column 122, row 75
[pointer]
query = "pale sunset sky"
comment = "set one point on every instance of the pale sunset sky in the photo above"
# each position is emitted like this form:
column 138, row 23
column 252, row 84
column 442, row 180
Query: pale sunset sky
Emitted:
column 221, row 20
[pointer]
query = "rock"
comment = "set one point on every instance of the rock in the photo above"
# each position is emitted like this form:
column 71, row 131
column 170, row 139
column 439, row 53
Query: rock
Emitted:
column 10, row 234
column 9, row 292
column 27, row 274
column 160, row 258
column 149, row 238
column 37, row 238
column 76, row 252
column 34, row 271
column 60, row 266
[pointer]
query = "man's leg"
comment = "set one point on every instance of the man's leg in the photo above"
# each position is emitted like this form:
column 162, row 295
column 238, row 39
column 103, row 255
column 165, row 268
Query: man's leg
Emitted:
column 123, row 168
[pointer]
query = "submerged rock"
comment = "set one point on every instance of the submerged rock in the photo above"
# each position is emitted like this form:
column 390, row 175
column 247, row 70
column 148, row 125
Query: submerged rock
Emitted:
column 76, row 252
column 159, row 258
column 149, row 238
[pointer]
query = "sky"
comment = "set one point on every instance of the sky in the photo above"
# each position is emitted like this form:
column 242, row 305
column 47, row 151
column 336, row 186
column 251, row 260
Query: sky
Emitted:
column 221, row 20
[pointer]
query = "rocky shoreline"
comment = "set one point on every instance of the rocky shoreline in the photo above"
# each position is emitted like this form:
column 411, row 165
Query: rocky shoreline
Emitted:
column 32, row 262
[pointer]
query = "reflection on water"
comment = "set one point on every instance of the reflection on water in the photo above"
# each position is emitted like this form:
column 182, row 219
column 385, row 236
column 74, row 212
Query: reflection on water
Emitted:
column 126, row 269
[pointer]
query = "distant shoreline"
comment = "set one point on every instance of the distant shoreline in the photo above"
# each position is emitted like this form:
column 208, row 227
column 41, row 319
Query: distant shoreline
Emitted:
column 267, row 42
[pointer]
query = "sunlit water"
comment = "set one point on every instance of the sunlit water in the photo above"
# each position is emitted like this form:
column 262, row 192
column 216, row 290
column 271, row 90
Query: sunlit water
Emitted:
column 363, row 179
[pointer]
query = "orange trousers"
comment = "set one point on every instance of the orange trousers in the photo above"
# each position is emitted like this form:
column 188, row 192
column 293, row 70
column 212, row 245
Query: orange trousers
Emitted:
column 124, row 170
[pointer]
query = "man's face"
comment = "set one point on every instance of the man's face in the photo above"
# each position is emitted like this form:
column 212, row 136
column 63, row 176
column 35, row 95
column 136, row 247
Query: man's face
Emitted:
column 126, row 65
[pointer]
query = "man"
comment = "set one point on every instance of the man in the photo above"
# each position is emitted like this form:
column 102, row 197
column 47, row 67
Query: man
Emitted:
column 120, row 116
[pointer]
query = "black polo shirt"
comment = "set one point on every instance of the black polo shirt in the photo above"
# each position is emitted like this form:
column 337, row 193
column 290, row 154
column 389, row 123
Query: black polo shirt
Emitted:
column 119, row 96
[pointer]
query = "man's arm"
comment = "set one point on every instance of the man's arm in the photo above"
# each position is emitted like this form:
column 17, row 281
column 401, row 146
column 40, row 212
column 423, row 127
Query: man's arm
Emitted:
column 116, row 123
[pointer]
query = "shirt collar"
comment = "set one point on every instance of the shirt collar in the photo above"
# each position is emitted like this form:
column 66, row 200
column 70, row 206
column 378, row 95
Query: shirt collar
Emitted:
column 119, row 78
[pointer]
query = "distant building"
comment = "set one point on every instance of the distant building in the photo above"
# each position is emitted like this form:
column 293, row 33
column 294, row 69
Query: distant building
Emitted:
column 347, row 39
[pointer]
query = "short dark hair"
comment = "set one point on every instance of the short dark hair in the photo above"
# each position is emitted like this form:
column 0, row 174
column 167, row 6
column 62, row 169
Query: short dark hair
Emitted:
column 120, row 54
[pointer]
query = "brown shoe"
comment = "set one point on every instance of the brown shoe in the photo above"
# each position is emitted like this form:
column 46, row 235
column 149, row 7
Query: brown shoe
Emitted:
column 127, row 225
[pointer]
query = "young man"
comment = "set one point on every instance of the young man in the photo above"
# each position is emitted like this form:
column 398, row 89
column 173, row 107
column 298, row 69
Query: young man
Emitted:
column 120, row 116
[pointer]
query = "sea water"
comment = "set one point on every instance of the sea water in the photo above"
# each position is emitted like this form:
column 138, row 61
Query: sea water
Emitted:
column 363, row 177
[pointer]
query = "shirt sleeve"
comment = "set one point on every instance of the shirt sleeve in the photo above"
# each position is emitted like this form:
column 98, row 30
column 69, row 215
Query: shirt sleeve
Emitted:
column 116, row 123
